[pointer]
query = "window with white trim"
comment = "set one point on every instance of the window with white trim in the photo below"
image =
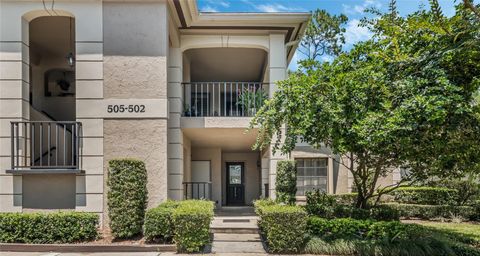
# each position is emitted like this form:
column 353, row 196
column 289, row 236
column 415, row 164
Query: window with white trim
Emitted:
column 311, row 174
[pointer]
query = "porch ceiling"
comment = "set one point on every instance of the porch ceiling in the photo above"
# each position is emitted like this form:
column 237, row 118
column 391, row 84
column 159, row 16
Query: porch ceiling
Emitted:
column 230, row 140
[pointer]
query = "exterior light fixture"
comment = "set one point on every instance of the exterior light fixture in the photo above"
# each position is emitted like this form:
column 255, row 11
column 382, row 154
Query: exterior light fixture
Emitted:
column 70, row 60
column 70, row 57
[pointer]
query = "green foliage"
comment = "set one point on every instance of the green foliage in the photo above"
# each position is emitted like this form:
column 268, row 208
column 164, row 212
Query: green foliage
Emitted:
column 127, row 196
column 430, row 212
column 48, row 228
column 286, row 181
column 252, row 99
column 346, row 199
column 362, row 229
column 191, row 221
column 284, row 227
column 320, row 203
column 158, row 224
column 324, row 35
column 468, row 189
column 259, row 204
column 327, row 206
column 425, row 195
column 403, row 98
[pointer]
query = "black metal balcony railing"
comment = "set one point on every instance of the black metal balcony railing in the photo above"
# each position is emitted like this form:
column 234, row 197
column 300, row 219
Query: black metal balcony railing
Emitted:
column 45, row 145
column 241, row 99
column 197, row 190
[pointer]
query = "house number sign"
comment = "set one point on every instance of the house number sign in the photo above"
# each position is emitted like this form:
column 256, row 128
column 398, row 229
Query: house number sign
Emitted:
column 122, row 108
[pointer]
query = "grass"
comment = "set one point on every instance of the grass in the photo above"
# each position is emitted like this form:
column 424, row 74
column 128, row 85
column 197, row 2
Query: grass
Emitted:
column 468, row 233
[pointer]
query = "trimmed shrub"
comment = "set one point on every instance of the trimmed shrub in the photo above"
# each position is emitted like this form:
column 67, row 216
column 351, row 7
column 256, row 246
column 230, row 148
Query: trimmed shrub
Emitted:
column 48, row 228
column 158, row 224
column 286, row 181
column 258, row 204
column 425, row 195
column 384, row 213
column 127, row 196
column 191, row 221
column 468, row 189
column 347, row 228
column 284, row 227
column 320, row 204
column 429, row 212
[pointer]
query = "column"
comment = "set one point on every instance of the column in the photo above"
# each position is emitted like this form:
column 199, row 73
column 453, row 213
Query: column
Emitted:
column 278, row 71
column 175, row 135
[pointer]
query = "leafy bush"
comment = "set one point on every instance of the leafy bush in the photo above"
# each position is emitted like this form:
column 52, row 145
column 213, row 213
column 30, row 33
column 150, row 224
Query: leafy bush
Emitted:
column 320, row 204
column 428, row 212
column 191, row 221
column 468, row 189
column 346, row 199
column 385, row 213
column 284, row 227
column 425, row 195
column 259, row 204
column 286, row 181
column 127, row 196
column 323, row 205
column 361, row 229
column 48, row 228
column 158, row 224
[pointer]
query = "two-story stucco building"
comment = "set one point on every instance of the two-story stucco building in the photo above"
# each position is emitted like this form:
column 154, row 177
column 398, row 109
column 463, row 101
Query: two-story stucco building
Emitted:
column 85, row 81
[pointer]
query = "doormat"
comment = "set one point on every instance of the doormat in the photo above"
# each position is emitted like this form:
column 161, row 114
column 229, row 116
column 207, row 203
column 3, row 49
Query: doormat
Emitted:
column 235, row 220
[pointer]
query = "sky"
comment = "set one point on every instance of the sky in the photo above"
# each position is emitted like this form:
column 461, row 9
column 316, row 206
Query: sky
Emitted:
column 354, row 9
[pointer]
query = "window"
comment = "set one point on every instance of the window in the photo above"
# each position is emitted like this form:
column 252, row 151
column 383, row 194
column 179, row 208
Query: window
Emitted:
column 311, row 174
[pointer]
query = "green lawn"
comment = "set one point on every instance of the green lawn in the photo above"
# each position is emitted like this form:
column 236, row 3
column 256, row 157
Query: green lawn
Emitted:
column 467, row 232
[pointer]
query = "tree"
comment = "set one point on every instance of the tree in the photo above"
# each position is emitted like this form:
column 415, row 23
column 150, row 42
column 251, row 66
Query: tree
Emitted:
column 323, row 35
column 405, row 98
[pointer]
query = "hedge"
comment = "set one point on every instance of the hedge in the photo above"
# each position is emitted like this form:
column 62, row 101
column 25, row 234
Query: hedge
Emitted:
column 286, row 181
column 191, row 222
column 127, row 196
column 283, row 226
column 48, row 228
column 425, row 195
column 429, row 212
column 347, row 228
column 158, row 224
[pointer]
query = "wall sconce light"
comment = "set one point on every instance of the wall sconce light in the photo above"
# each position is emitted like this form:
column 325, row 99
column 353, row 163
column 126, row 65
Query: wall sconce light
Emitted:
column 70, row 60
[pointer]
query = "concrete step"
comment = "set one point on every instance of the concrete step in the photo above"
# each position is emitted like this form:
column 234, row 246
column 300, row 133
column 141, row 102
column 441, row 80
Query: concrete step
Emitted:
column 237, row 247
column 233, row 230
column 224, row 237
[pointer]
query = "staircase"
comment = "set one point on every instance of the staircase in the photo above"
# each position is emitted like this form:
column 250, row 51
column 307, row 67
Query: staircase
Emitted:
column 235, row 230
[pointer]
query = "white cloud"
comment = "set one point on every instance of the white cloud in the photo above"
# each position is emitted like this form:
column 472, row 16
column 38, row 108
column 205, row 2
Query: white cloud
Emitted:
column 208, row 8
column 272, row 7
column 219, row 2
column 355, row 33
column 360, row 8
column 224, row 4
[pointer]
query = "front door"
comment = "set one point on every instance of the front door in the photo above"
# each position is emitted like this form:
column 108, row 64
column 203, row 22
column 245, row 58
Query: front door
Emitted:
column 235, row 184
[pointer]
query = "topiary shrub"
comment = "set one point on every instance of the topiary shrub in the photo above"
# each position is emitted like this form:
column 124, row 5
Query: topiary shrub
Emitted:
column 284, row 227
column 286, row 181
column 425, row 195
column 191, row 221
column 127, row 196
column 258, row 204
column 158, row 224
column 48, row 228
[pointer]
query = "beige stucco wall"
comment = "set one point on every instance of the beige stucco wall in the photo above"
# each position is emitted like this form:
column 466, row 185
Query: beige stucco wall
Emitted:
column 252, row 174
column 135, row 47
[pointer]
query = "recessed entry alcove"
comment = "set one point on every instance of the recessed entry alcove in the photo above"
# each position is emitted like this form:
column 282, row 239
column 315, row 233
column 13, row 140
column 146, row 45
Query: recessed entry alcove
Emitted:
column 51, row 128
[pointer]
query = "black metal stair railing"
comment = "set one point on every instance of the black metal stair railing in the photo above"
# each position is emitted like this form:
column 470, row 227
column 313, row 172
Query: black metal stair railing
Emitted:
column 45, row 145
column 197, row 190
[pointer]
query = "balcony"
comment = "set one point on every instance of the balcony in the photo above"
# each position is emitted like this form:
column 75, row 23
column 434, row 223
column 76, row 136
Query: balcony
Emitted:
column 45, row 147
column 223, row 99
